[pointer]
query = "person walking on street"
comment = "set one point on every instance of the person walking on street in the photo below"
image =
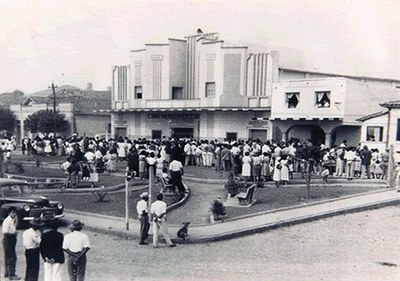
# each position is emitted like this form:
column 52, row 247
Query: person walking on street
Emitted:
column 159, row 213
column 76, row 245
column 31, row 240
column 9, row 241
column 52, row 253
column 143, row 215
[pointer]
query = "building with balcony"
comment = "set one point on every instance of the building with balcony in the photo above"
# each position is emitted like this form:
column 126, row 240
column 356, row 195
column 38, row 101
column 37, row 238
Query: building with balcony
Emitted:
column 326, row 108
column 198, row 87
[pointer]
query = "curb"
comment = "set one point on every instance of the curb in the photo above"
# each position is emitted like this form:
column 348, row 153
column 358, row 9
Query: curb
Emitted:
column 334, row 181
column 290, row 222
column 127, row 234
column 250, row 230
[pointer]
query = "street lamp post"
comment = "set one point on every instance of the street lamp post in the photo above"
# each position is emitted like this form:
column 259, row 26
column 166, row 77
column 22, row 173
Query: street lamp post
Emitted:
column 151, row 176
column 127, row 184
column 53, row 87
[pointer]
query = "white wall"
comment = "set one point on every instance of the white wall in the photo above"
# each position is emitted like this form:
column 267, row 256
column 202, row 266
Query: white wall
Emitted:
column 306, row 107
column 363, row 98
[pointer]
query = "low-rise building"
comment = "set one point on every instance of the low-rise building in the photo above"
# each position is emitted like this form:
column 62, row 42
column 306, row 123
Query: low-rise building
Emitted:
column 326, row 109
column 86, row 111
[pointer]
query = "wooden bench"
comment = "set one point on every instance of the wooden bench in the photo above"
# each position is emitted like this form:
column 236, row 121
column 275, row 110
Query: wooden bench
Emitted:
column 245, row 198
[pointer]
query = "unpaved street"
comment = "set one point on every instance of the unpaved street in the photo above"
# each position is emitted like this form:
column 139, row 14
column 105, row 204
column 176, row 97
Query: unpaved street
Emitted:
column 361, row 246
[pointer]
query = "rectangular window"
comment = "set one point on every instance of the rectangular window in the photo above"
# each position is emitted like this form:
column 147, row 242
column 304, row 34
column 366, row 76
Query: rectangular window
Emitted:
column 292, row 100
column 210, row 89
column 138, row 92
column 177, row 93
column 156, row 134
column 231, row 136
column 398, row 130
column 323, row 99
column 374, row 133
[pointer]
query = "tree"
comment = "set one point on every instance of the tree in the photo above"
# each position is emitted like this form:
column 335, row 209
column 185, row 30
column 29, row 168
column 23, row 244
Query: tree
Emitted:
column 7, row 120
column 311, row 156
column 43, row 121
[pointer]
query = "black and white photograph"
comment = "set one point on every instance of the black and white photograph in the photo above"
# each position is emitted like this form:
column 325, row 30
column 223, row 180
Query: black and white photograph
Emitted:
column 200, row 140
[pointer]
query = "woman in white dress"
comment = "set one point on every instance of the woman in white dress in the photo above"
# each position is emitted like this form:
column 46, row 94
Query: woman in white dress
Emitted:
column 246, row 166
column 284, row 170
column 277, row 171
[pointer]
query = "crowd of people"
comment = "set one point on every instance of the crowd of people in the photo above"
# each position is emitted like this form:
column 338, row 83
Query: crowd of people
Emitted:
column 251, row 160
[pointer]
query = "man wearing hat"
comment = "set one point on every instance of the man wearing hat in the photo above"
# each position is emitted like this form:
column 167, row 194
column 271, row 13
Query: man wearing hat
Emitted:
column 31, row 239
column 76, row 245
column 143, row 215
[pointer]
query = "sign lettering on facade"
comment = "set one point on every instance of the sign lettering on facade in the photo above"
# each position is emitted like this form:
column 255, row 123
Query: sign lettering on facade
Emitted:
column 173, row 115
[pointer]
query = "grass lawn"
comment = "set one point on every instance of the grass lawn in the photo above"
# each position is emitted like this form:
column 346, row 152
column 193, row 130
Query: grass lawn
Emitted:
column 196, row 208
column 44, row 172
column 270, row 198
column 113, row 204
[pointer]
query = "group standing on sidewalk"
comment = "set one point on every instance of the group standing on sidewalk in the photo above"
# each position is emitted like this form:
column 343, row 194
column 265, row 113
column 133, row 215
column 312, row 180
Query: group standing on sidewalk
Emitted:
column 50, row 245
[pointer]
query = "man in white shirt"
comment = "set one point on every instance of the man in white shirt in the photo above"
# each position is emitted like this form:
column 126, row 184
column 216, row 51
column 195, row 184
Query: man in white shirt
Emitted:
column 349, row 157
column 188, row 153
column 31, row 239
column 176, row 170
column 76, row 245
column 159, row 213
column 143, row 216
column 90, row 156
column 9, row 242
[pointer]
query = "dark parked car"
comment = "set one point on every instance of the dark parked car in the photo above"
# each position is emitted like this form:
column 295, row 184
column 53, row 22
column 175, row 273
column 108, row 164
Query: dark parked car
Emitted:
column 19, row 194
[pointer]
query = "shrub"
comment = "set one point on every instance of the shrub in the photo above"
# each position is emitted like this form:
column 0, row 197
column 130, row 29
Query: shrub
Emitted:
column 217, row 208
column 100, row 194
column 234, row 185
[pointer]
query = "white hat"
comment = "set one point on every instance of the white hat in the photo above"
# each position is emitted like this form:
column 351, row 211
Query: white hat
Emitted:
column 144, row 195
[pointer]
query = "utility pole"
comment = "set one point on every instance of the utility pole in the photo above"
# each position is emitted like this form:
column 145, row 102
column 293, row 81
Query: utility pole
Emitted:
column 53, row 87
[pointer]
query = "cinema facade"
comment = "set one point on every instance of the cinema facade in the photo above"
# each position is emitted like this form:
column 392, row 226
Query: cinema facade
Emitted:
column 204, row 88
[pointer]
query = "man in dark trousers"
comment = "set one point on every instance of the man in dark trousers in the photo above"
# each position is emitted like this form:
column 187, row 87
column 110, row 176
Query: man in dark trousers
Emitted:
column 9, row 242
column 31, row 240
column 52, row 252
column 366, row 156
column 176, row 170
column 76, row 245
column 143, row 215
column 133, row 162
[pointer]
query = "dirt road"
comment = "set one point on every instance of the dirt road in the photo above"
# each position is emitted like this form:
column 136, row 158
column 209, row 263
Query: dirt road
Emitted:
column 362, row 246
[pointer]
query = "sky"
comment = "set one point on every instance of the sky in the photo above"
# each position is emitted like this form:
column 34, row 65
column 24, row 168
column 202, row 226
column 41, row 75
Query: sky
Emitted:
column 75, row 42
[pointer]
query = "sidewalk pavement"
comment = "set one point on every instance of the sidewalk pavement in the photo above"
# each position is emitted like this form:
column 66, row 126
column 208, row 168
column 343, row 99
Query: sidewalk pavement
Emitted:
column 250, row 224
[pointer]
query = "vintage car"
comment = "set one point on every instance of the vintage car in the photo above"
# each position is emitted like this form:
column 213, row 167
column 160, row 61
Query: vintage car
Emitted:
column 19, row 194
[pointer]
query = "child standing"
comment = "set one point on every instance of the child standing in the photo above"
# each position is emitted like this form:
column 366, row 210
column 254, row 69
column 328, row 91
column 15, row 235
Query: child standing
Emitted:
column 357, row 166
column 325, row 174
column 378, row 169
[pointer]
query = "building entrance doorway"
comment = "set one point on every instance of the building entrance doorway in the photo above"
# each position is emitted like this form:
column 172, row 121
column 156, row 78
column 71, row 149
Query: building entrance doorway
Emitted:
column 120, row 132
column 182, row 133
column 259, row 134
